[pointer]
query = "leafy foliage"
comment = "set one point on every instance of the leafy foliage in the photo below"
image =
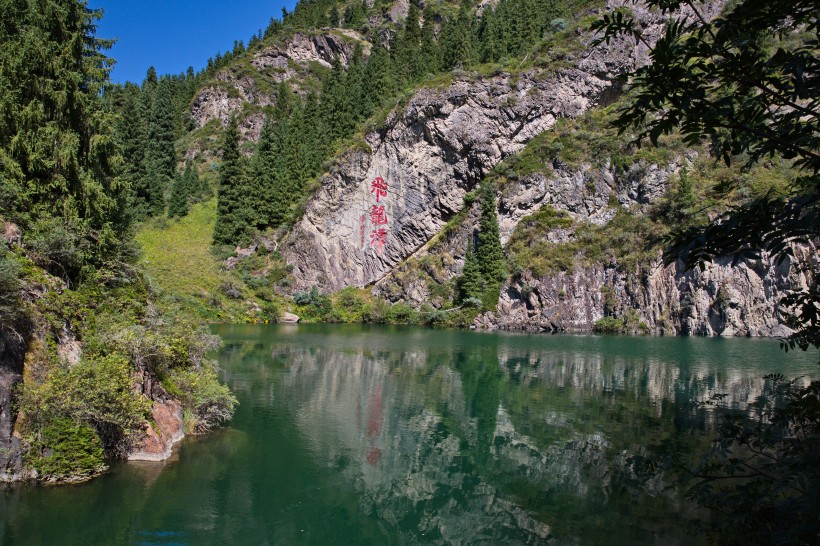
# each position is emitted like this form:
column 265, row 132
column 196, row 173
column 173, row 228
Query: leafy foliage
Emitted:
column 747, row 82
column 96, row 393
column 745, row 79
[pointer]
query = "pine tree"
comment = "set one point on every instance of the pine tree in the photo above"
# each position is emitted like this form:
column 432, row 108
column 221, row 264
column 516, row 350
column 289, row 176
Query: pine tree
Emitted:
column 458, row 45
column 231, row 211
column 160, row 156
column 334, row 17
column 430, row 52
column 489, row 251
column 57, row 144
column 313, row 138
column 405, row 48
column 378, row 82
column 187, row 189
column 471, row 283
column 132, row 139
column 178, row 204
column 338, row 111
column 268, row 196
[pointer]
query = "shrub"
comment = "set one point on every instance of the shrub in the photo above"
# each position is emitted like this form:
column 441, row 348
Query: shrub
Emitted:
column 95, row 393
column 67, row 450
column 207, row 402
column 608, row 325
column 402, row 313
column 9, row 287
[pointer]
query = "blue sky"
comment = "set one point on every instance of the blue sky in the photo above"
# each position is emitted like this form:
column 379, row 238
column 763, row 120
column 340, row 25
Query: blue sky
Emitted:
column 172, row 35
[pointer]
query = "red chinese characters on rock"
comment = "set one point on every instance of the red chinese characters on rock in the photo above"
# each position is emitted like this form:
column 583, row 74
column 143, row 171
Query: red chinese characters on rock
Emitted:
column 378, row 216
column 361, row 229
column 377, row 239
column 378, row 187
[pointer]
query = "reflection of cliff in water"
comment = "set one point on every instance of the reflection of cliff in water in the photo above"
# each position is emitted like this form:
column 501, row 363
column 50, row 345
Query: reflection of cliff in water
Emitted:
column 455, row 440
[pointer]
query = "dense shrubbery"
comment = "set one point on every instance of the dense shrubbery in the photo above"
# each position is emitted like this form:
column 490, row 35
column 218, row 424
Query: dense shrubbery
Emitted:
column 356, row 305
column 77, row 416
column 628, row 323
column 124, row 337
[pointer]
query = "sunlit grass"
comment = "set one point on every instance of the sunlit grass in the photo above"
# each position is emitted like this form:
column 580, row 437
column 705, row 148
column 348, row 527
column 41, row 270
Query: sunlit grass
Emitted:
column 177, row 256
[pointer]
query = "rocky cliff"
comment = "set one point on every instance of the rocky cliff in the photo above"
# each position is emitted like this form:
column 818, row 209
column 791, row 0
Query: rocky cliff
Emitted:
column 436, row 148
column 392, row 212
column 248, row 86
column 723, row 299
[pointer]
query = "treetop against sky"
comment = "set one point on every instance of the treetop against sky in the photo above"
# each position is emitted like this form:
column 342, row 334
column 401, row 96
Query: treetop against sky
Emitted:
column 173, row 35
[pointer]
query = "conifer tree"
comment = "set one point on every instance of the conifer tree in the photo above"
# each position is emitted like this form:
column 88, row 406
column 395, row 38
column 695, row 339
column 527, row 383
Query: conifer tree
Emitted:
column 378, row 81
column 471, row 282
column 57, row 144
column 187, row 189
column 338, row 112
column 334, row 17
column 430, row 52
column 406, row 48
column 132, row 139
column 160, row 155
column 489, row 253
column 458, row 37
column 231, row 211
column 313, row 140
column 178, row 204
column 268, row 195
column 298, row 170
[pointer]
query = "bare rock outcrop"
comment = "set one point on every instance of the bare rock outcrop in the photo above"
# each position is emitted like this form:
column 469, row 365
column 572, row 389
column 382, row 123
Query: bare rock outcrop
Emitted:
column 233, row 91
column 723, row 299
column 435, row 149
column 167, row 427
column 159, row 438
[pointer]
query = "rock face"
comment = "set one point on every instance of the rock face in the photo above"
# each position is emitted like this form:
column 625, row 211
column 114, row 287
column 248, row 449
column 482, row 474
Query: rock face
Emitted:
column 441, row 144
column 12, row 357
column 168, row 425
column 741, row 300
column 723, row 299
column 233, row 92
column 159, row 439
column 434, row 150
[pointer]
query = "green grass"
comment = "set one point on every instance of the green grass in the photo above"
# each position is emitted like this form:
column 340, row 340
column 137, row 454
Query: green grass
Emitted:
column 177, row 256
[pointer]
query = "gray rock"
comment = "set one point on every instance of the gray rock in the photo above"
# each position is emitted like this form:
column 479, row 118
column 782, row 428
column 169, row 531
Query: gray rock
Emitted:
column 289, row 318
column 232, row 92
column 433, row 151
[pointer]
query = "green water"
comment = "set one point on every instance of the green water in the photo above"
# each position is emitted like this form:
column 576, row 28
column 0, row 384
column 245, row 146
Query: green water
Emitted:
column 373, row 435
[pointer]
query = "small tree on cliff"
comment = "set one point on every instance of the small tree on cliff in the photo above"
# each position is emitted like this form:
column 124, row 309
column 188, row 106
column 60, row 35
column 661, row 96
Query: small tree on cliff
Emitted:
column 471, row 283
column 231, row 210
column 489, row 254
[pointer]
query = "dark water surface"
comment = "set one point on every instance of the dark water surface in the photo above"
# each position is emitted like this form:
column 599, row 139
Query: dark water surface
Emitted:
column 376, row 435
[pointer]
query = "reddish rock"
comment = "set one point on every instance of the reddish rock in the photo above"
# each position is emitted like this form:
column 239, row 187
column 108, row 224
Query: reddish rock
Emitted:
column 158, row 440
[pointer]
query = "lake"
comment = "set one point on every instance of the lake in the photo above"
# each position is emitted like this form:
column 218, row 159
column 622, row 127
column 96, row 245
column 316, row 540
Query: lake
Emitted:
column 351, row 434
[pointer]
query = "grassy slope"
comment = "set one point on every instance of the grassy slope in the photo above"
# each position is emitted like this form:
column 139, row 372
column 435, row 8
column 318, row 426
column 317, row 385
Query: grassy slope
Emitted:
column 177, row 255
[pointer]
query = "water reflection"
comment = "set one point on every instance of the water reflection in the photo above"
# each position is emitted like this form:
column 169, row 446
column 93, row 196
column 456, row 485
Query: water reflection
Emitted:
column 360, row 435
column 490, row 441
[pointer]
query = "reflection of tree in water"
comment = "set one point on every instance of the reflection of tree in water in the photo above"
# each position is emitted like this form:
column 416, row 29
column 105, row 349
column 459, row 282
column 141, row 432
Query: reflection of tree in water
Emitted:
column 481, row 383
column 488, row 442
